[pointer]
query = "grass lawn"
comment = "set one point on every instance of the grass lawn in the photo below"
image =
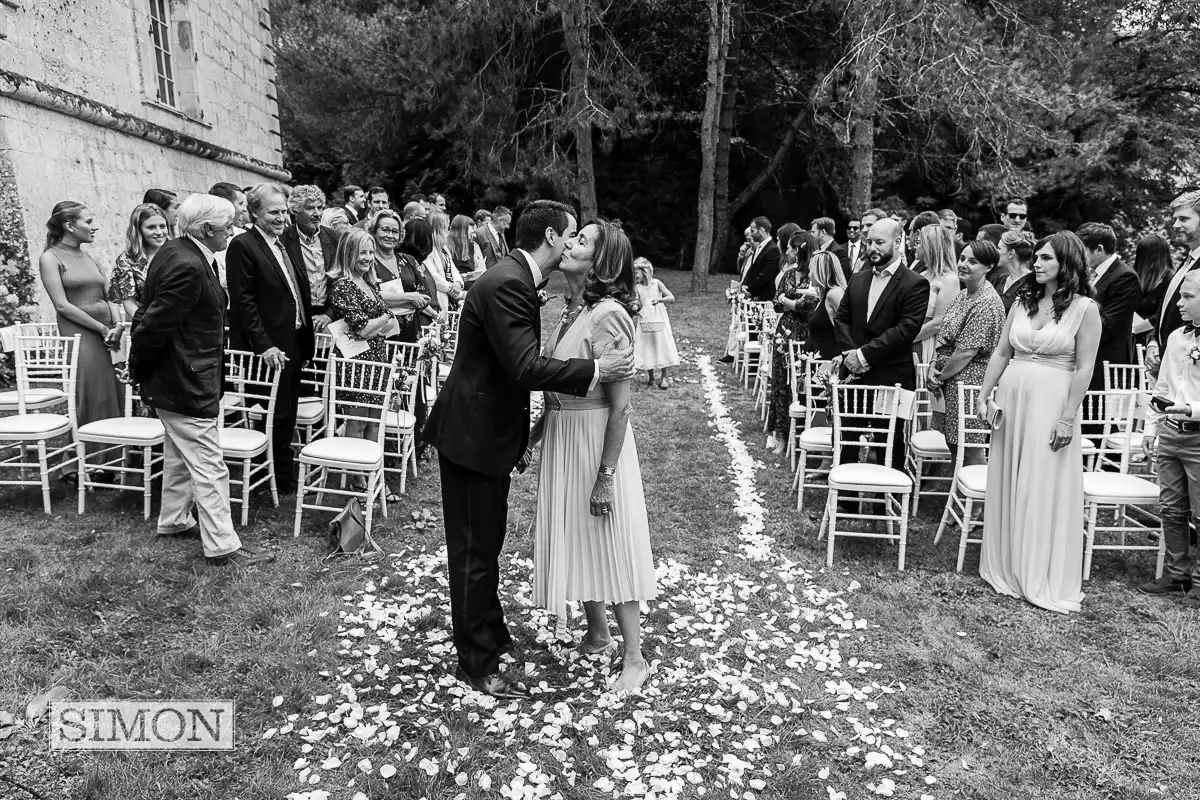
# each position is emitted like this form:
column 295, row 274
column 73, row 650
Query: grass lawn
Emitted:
column 774, row 679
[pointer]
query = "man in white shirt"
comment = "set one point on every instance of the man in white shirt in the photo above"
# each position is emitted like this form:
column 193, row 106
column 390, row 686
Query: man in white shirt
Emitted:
column 1173, row 434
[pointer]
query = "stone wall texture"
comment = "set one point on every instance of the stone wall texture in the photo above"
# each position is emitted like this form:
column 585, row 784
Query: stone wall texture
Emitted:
column 102, row 51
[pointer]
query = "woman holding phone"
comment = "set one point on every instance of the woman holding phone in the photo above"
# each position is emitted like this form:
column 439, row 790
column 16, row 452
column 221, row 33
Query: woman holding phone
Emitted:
column 1033, row 514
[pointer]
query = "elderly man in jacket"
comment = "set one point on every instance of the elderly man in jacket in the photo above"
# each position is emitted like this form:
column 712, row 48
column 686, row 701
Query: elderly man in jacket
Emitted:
column 177, row 354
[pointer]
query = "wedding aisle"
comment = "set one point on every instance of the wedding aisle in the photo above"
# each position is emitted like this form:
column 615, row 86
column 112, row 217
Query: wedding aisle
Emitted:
column 756, row 691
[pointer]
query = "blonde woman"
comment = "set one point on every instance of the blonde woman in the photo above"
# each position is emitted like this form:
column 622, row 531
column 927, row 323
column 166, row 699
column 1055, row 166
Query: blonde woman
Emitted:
column 653, row 344
column 147, row 232
column 936, row 251
column 440, row 265
column 827, row 282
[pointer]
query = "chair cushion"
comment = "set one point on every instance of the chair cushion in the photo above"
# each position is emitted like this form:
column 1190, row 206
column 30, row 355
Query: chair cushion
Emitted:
column 864, row 476
column 1112, row 486
column 816, row 439
column 929, row 443
column 348, row 450
column 34, row 424
column 1118, row 440
column 402, row 420
column 753, row 347
column 797, row 409
column 973, row 479
column 1088, row 446
column 310, row 410
column 443, row 370
column 35, row 398
column 125, row 429
column 242, row 440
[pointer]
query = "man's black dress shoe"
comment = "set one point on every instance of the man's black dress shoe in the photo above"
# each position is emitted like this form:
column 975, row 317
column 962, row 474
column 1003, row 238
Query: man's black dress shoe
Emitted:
column 495, row 685
column 1165, row 585
column 726, row 359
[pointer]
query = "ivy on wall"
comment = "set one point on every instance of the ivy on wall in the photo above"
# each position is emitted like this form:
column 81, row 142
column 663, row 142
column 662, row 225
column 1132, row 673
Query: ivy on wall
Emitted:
column 17, row 282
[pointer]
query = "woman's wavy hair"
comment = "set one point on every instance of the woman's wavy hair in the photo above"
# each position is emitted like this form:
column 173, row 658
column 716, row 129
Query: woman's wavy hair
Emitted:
column 135, row 248
column 1152, row 263
column 611, row 274
column 824, row 272
column 462, row 238
column 935, row 249
column 346, row 260
column 1072, row 274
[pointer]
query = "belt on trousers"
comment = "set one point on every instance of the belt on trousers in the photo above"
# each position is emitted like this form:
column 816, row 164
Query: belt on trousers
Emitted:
column 1182, row 427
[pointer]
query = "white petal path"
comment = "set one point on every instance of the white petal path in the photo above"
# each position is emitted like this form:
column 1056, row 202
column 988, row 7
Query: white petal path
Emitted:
column 750, row 693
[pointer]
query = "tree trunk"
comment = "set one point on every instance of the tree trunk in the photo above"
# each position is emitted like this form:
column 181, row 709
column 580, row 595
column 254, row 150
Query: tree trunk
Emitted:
column 718, row 49
column 862, row 128
column 773, row 165
column 576, row 16
column 721, row 217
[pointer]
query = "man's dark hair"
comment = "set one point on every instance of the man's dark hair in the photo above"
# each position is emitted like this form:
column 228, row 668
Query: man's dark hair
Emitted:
column 349, row 191
column 536, row 217
column 761, row 223
column 922, row 220
column 992, row 232
column 482, row 216
column 1097, row 234
column 877, row 213
column 964, row 229
column 1020, row 201
column 226, row 191
column 374, row 190
column 825, row 225
column 501, row 211
column 419, row 198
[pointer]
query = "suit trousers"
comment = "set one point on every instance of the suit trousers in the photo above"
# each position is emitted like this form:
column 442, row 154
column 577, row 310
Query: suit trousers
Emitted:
column 286, row 403
column 196, row 481
column 475, row 507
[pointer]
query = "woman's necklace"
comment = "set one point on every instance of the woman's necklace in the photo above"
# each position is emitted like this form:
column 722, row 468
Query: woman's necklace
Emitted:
column 571, row 311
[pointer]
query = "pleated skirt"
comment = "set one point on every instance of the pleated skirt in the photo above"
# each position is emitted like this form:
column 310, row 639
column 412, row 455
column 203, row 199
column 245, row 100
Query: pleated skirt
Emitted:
column 577, row 556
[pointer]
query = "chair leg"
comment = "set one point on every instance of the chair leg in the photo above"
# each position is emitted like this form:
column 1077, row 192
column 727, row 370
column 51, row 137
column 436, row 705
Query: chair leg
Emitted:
column 300, row 487
column 799, row 482
column 44, row 473
column 245, row 492
column 271, row 479
column 81, row 482
column 903, row 528
column 791, row 443
column 1089, row 539
column 831, row 512
column 918, row 473
column 965, row 531
column 405, row 446
column 147, row 481
column 1162, row 555
column 370, row 501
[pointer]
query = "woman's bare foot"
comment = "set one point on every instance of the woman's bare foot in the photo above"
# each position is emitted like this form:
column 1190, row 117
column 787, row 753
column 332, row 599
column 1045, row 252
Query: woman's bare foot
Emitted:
column 593, row 647
column 633, row 674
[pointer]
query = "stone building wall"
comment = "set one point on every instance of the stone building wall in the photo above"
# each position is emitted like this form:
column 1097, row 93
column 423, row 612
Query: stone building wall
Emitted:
column 81, row 116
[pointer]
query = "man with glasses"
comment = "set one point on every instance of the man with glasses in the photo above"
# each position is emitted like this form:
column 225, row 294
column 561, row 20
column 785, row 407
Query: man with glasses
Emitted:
column 854, row 248
column 1016, row 215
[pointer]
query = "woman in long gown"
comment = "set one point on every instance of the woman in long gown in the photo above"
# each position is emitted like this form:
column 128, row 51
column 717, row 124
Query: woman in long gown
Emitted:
column 795, row 301
column 592, row 540
column 1033, row 514
column 77, row 287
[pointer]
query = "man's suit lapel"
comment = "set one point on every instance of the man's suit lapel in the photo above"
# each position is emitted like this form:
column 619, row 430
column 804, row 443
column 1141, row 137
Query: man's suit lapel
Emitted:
column 888, row 291
column 210, row 276
column 301, row 284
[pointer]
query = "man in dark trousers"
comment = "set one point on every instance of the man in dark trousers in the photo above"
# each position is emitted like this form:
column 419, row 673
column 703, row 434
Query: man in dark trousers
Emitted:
column 879, row 319
column 764, row 262
column 1118, row 293
column 176, row 354
column 480, row 427
column 269, row 313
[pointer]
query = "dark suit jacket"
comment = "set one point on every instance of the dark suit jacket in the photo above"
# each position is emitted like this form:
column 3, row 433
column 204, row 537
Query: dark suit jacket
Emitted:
column 262, row 311
column 1171, row 319
column 855, row 264
column 760, row 278
column 353, row 216
column 481, row 418
column 886, row 339
column 177, row 343
column 490, row 246
column 329, row 243
column 1118, row 293
column 839, row 251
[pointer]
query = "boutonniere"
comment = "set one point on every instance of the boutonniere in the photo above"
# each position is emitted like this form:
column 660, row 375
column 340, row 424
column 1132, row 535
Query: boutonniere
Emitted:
column 543, row 297
column 1194, row 352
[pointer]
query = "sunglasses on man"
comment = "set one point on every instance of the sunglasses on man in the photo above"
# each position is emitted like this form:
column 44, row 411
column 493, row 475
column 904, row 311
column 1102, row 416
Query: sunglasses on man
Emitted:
column 1018, row 216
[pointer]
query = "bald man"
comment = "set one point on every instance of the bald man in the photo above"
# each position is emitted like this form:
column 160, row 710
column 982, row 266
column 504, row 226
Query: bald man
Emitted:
column 880, row 315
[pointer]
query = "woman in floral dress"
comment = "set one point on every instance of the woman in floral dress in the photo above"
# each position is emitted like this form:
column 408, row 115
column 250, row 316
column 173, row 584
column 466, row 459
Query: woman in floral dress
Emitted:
column 147, row 232
column 797, row 302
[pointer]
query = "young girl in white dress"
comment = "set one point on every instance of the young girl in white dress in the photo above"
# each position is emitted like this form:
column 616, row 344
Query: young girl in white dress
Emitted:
column 654, row 344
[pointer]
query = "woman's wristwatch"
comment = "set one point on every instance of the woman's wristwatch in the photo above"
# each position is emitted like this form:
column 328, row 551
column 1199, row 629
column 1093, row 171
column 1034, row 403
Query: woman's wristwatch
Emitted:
column 608, row 472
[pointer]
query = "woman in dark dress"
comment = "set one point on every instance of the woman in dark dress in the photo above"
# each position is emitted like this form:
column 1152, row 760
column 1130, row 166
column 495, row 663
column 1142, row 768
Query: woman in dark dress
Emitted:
column 1011, row 265
column 795, row 301
column 407, row 300
column 1152, row 263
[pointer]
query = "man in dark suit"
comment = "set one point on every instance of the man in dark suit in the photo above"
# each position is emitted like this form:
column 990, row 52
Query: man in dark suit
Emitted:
column 822, row 230
column 487, row 238
column 313, row 247
column 1185, row 225
column 176, row 354
column 480, row 427
column 355, row 200
column 1118, row 293
column 269, row 313
column 764, row 263
column 856, row 249
column 880, row 317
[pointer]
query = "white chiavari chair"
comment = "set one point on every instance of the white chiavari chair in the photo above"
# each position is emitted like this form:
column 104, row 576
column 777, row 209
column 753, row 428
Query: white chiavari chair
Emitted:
column 759, row 327
column 402, row 416
column 1130, row 501
column 443, row 365
column 968, row 487
column 926, row 446
column 114, row 440
column 44, row 395
column 257, row 383
column 310, row 410
column 762, row 381
column 813, row 445
column 865, row 417
column 46, row 362
column 354, row 456
column 1130, row 378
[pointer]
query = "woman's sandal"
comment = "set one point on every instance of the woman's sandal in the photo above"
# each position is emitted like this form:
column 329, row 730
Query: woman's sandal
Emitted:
column 592, row 650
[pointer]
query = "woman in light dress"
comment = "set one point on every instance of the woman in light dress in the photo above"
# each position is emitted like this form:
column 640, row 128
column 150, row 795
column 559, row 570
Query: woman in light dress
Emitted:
column 592, row 541
column 1033, row 514
column 654, row 344
column 935, row 249
column 440, row 266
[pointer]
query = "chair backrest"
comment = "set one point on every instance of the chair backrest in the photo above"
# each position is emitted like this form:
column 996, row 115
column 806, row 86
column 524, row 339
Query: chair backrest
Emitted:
column 315, row 374
column 1113, row 411
column 816, row 397
column 864, row 411
column 410, row 366
column 47, row 362
column 255, row 382
column 37, row 329
column 1124, row 377
column 795, row 367
column 372, row 381
column 969, row 437
column 922, row 417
